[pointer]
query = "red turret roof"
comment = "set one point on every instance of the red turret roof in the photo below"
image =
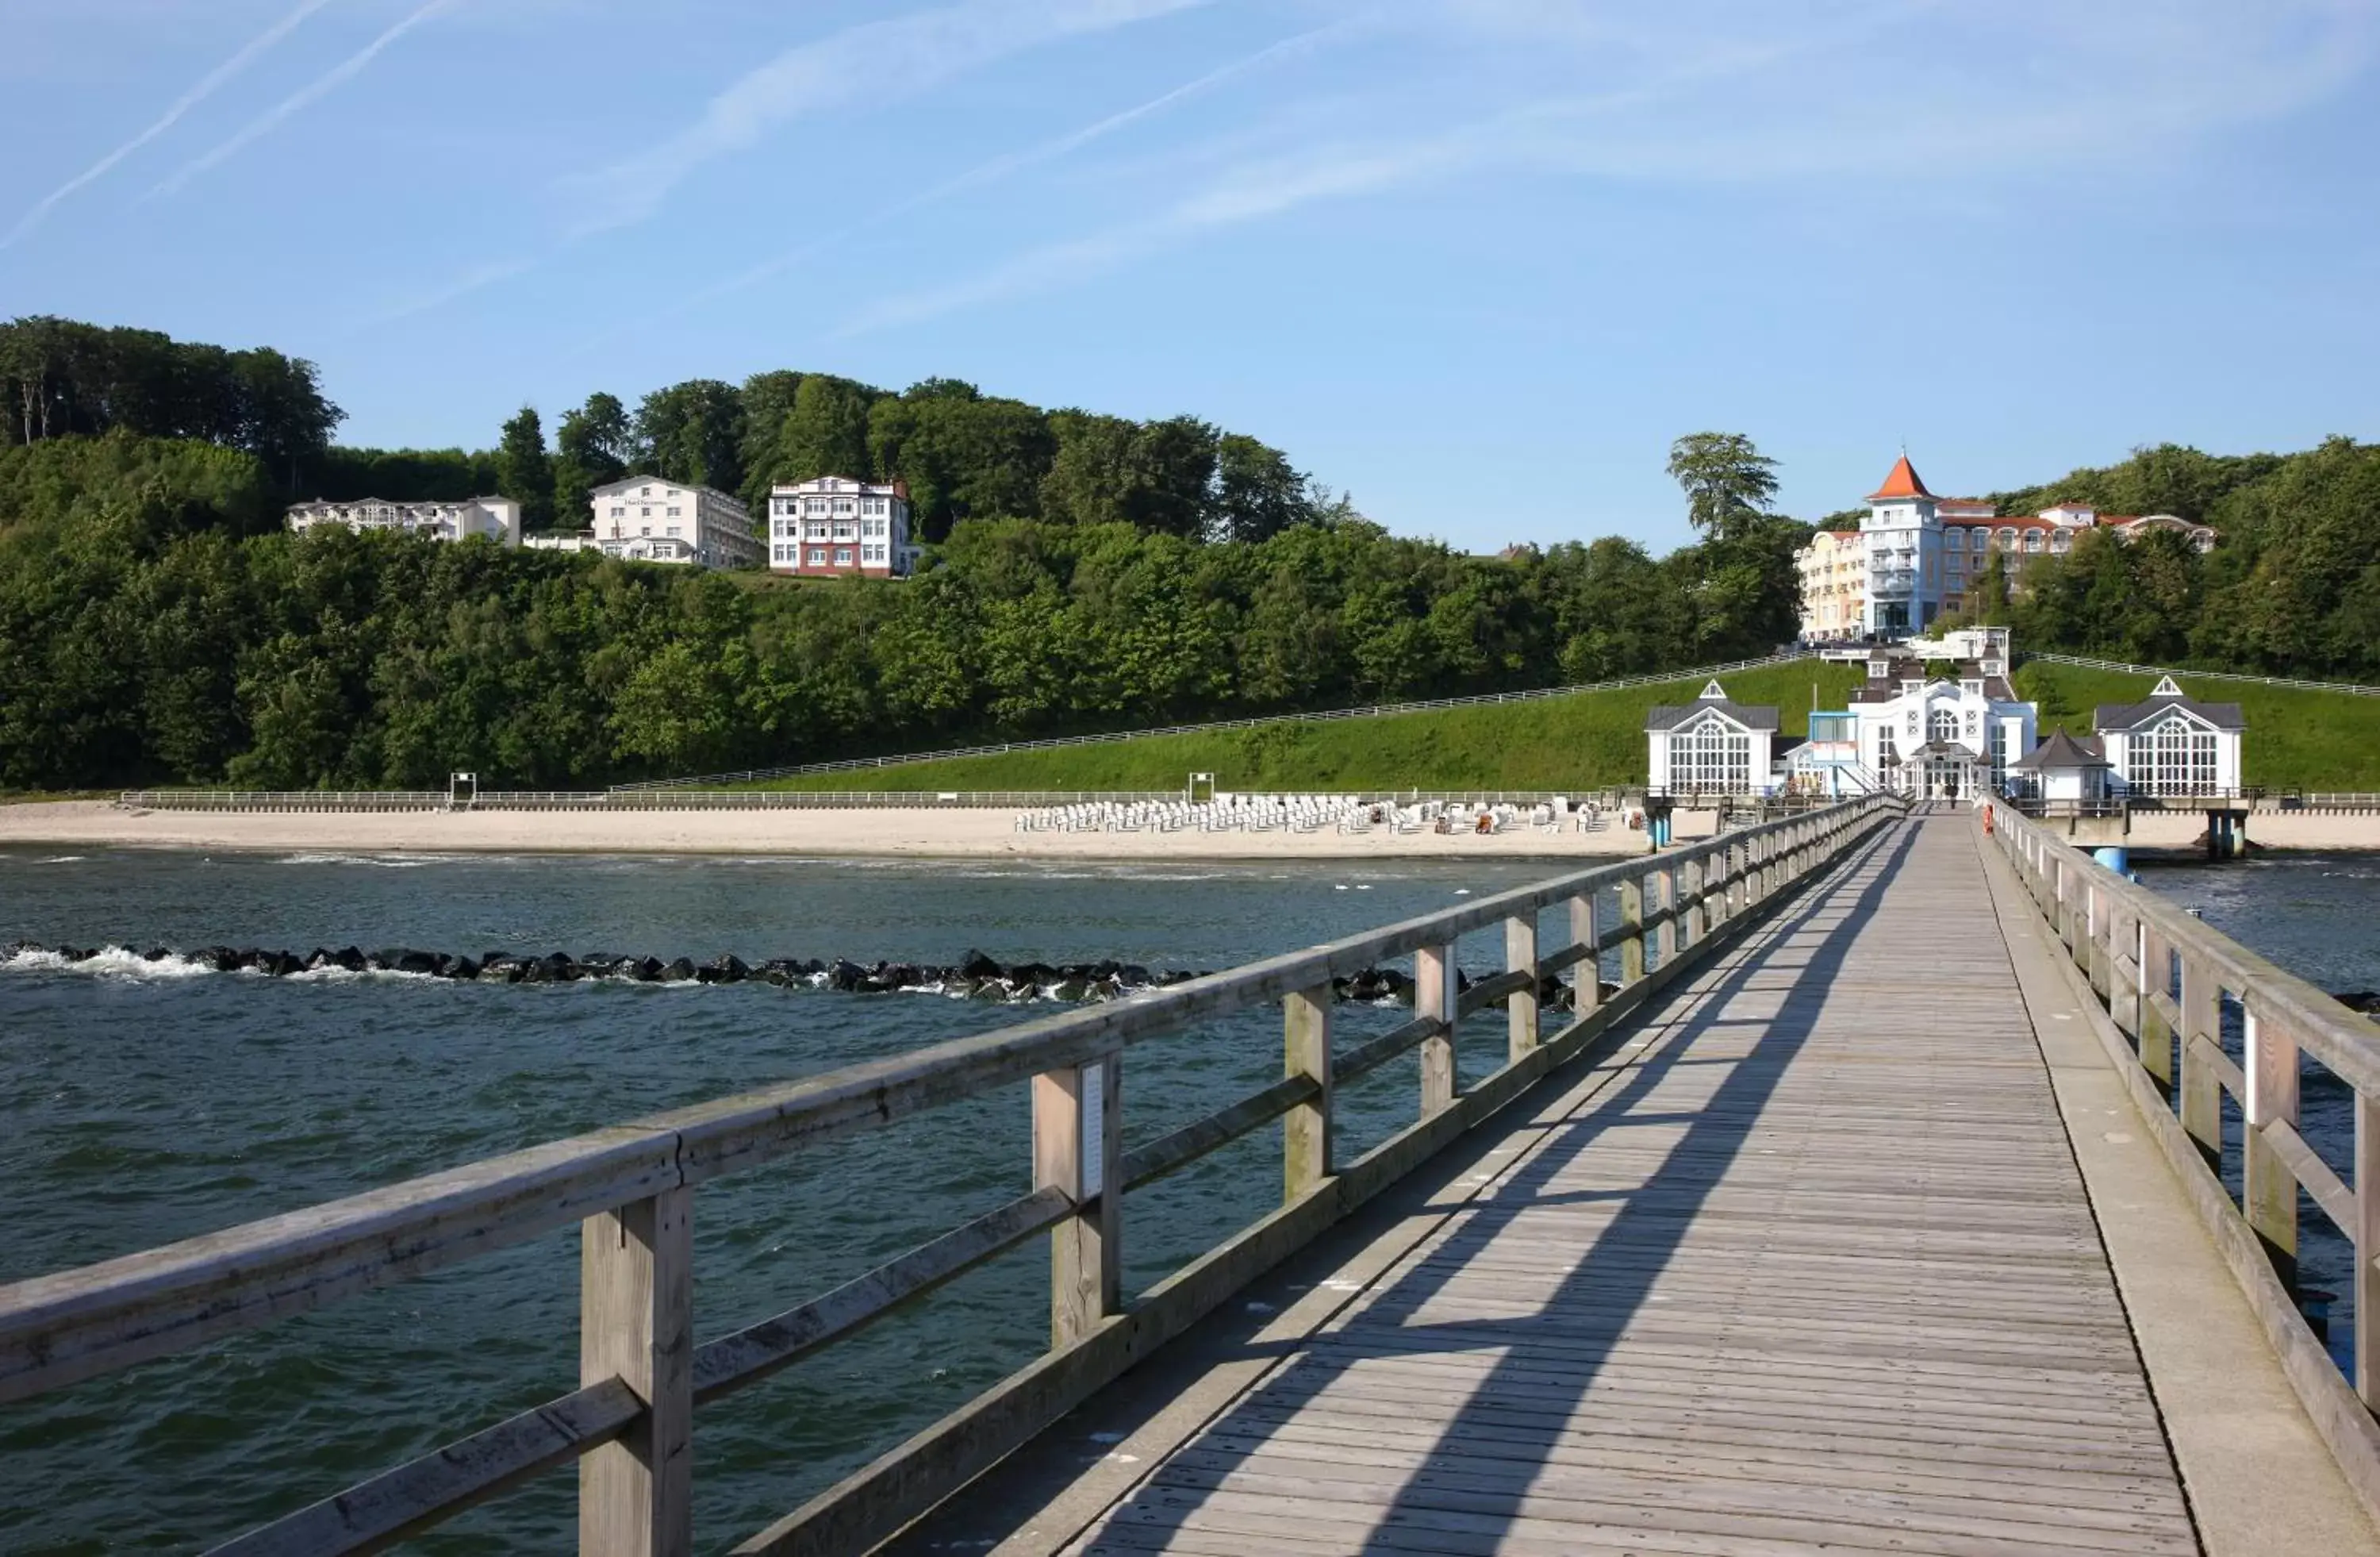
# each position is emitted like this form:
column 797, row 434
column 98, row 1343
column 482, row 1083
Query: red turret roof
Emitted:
column 1902, row 482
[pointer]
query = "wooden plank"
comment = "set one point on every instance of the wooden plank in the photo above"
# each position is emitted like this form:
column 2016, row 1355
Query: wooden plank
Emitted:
column 1178, row 1148
column 2365, row 1236
column 635, row 1323
column 376, row 1515
column 727, row 1363
column 2269, row 1192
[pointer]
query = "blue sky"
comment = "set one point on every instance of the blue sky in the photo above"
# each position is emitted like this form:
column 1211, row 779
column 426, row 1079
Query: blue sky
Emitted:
column 1476, row 261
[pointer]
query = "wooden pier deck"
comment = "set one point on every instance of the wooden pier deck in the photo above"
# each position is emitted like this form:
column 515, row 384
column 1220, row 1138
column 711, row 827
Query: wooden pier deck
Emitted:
column 1813, row 1269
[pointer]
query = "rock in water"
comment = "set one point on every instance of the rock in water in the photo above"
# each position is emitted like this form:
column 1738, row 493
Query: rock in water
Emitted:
column 975, row 965
column 678, row 972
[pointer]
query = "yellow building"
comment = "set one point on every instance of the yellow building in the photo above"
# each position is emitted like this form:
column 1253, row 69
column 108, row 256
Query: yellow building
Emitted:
column 1834, row 585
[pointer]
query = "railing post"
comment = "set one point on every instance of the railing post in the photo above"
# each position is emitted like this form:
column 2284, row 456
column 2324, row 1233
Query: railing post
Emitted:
column 1665, row 901
column 1520, row 1007
column 635, row 1323
column 1305, row 1129
column 2201, row 1090
column 1632, row 920
column 2366, row 1234
column 1434, row 995
column 2100, row 959
column 2154, row 976
column 1693, row 889
column 1078, row 1149
column 1587, row 981
column 2124, row 969
column 2268, row 1191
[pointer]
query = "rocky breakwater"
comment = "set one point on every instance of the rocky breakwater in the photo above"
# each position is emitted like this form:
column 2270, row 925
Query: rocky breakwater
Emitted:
column 975, row 976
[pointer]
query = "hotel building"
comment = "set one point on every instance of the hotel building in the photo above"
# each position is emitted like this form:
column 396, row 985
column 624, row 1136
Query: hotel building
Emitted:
column 1916, row 556
column 498, row 518
column 645, row 519
column 833, row 525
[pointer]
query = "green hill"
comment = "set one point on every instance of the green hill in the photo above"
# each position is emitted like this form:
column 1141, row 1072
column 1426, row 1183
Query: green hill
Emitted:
column 2297, row 737
column 1588, row 740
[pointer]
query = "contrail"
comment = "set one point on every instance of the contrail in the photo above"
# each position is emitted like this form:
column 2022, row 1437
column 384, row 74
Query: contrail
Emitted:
column 166, row 121
column 310, row 92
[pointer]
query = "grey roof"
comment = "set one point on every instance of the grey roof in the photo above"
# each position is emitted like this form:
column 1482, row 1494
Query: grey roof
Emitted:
column 2062, row 750
column 1666, row 717
column 2132, row 716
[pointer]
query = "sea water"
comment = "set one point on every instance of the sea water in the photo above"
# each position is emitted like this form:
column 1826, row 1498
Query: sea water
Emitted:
column 142, row 1102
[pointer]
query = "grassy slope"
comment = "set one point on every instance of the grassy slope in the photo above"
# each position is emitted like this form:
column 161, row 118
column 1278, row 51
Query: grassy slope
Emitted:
column 2296, row 738
column 1586, row 741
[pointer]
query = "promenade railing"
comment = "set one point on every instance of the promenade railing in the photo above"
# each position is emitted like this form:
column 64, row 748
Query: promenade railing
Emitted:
column 2164, row 979
column 628, row 1425
column 764, row 799
column 1372, row 710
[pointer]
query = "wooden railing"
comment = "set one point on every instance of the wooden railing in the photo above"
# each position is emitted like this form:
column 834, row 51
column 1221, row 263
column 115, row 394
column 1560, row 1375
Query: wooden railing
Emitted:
column 628, row 1424
column 2162, row 978
column 765, row 800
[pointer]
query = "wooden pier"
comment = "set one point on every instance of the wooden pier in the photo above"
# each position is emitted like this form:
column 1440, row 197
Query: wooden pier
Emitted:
column 1789, row 1247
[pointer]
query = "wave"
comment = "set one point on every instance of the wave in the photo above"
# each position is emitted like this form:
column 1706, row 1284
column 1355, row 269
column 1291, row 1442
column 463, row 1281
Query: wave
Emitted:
column 379, row 861
column 109, row 961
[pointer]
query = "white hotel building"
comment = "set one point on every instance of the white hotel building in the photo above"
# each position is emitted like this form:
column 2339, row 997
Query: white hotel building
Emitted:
column 833, row 525
column 498, row 518
column 1916, row 555
column 645, row 519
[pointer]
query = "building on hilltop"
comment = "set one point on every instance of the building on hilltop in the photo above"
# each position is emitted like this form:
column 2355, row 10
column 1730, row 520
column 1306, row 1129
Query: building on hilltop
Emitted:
column 1916, row 556
column 1712, row 746
column 834, row 525
column 497, row 518
column 2169, row 744
column 647, row 518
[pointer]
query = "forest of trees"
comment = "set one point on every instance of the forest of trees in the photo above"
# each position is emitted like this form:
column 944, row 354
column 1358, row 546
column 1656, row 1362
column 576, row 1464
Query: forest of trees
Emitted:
column 1085, row 572
column 2293, row 587
column 156, row 625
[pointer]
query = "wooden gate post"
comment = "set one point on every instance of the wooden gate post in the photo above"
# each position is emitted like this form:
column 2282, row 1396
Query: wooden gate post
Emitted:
column 2367, row 1250
column 635, row 1323
column 1665, row 901
column 1305, row 1129
column 1520, row 1007
column 1078, row 1149
column 1434, row 994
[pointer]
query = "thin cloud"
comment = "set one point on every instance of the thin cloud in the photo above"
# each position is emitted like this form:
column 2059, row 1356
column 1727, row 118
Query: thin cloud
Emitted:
column 906, row 55
column 1759, row 111
column 249, row 54
column 1012, row 162
column 312, row 92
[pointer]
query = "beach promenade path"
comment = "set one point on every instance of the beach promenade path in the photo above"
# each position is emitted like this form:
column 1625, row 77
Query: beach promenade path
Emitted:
column 1812, row 1270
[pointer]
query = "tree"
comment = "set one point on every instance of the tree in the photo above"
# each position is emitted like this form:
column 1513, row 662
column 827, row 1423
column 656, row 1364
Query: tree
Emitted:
column 1257, row 493
column 693, row 433
column 826, row 432
column 1729, row 483
column 523, row 471
column 592, row 446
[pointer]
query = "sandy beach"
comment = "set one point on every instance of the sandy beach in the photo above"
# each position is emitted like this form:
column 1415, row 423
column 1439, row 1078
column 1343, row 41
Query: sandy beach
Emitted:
column 968, row 834
column 948, row 834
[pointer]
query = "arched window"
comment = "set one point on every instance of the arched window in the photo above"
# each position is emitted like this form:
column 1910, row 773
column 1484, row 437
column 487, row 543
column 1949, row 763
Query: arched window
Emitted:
column 1710, row 755
column 1942, row 725
column 2176, row 755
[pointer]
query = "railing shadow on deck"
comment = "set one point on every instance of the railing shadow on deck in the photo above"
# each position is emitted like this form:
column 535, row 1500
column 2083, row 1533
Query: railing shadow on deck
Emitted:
column 1628, row 1257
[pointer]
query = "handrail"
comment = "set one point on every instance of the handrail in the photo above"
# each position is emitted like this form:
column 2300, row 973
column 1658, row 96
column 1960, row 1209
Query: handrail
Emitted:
column 2161, row 978
column 854, row 764
column 631, row 1188
column 2083, row 662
